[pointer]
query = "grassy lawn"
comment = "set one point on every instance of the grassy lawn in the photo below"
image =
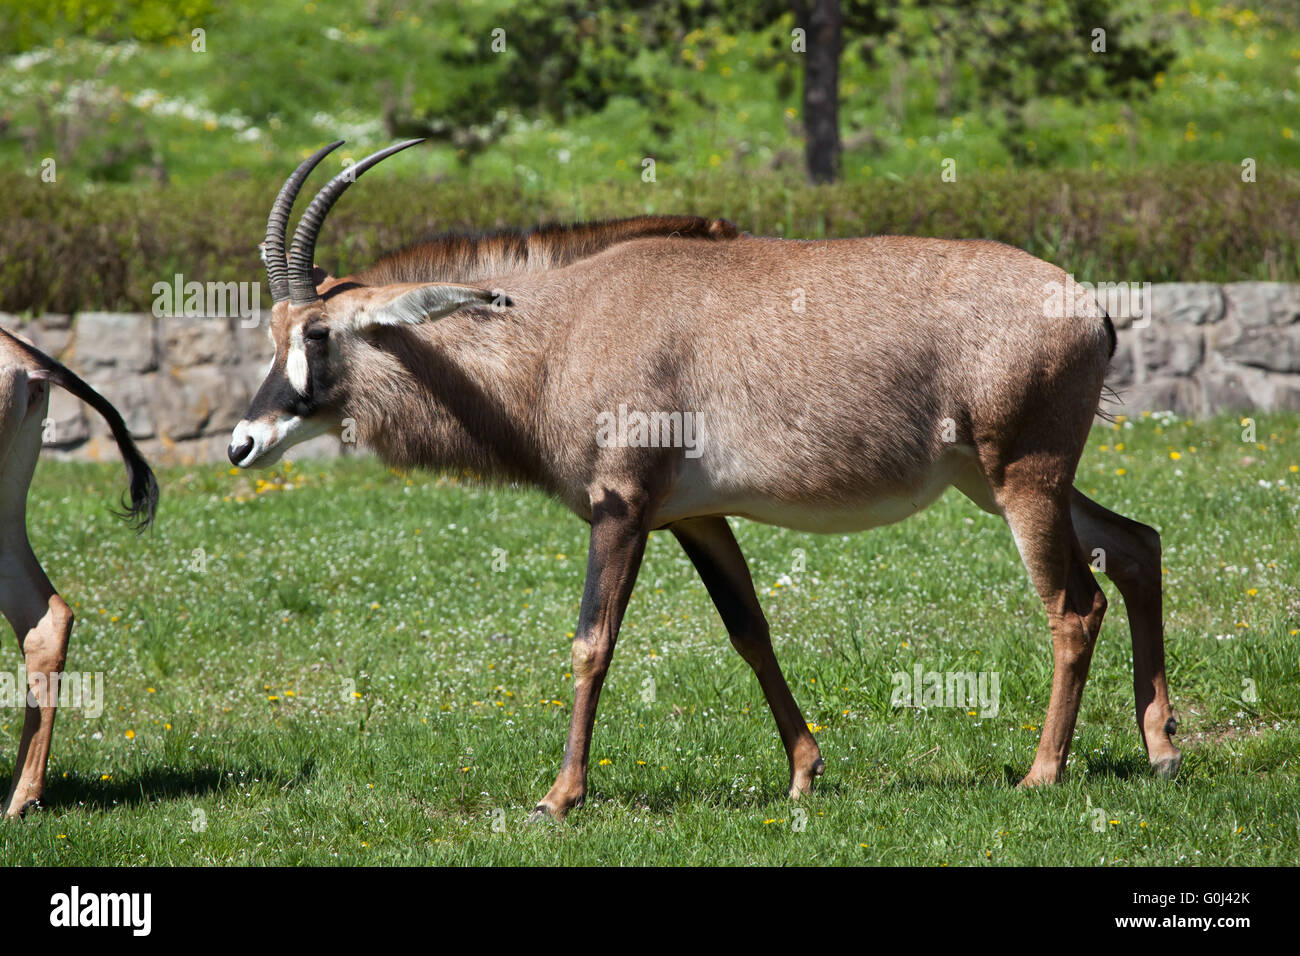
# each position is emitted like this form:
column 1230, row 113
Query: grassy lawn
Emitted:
column 330, row 668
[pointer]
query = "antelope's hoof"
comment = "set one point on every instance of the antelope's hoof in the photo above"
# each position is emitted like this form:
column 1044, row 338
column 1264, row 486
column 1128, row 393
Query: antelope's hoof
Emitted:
column 543, row 814
column 1037, row 779
column 18, row 812
column 802, row 784
column 1166, row 767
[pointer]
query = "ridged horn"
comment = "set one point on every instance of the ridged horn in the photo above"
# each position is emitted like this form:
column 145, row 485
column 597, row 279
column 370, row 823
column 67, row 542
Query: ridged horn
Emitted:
column 302, row 255
column 277, row 270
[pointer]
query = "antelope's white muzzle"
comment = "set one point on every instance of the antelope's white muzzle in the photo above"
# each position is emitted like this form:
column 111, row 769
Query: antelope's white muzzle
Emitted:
column 262, row 443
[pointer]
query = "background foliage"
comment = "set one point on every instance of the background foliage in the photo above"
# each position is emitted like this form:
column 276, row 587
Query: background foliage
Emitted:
column 1124, row 165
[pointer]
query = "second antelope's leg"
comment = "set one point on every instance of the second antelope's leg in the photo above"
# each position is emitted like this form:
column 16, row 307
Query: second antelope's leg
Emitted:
column 716, row 555
column 618, row 538
column 39, row 617
column 1130, row 552
column 1035, row 498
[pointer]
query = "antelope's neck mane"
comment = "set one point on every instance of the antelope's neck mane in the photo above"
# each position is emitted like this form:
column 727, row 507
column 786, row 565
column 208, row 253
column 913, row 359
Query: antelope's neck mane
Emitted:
column 467, row 257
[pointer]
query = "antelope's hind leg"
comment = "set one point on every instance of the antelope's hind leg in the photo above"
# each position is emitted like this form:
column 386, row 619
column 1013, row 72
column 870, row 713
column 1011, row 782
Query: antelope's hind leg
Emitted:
column 1130, row 556
column 717, row 557
column 40, row 618
column 1034, row 495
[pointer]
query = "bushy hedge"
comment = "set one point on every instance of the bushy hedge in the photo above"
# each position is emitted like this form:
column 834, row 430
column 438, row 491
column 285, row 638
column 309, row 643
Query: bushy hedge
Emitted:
column 62, row 250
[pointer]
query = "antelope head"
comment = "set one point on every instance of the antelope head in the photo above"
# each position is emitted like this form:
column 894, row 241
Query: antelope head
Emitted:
column 319, row 322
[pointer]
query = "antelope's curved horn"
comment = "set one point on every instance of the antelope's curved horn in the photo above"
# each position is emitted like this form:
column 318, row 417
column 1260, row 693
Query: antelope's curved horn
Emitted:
column 277, row 270
column 302, row 255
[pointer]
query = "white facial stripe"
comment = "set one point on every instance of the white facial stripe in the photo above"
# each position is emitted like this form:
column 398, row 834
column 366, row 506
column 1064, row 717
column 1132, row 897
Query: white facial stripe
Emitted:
column 295, row 365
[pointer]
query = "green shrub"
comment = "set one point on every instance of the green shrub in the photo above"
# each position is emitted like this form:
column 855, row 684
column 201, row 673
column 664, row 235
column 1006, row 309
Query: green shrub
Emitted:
column 63, row 249
column 24, row 24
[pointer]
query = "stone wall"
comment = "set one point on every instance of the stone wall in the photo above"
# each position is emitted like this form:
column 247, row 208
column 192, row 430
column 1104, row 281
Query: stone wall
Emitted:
column 182, row 384
column 1209, row 348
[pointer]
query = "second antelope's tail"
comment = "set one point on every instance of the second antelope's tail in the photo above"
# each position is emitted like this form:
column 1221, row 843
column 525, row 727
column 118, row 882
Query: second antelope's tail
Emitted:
column 142, row 496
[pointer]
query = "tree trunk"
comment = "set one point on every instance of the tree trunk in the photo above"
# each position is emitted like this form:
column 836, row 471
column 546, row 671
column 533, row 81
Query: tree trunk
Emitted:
column 822, row 22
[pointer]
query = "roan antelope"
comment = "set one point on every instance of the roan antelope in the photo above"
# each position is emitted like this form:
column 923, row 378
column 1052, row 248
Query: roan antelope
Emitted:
column 42, row 621
column 914, row 364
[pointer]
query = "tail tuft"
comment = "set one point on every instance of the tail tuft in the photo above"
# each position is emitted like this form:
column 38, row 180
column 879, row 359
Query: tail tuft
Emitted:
column 140, row 502
column 1108, row 394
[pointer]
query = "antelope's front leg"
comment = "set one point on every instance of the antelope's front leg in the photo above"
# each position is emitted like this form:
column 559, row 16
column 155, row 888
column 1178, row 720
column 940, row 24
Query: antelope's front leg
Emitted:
column 618, row 538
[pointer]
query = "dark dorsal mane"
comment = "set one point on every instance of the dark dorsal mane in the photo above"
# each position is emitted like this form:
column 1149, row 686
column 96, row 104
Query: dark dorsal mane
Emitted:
column 468, row 257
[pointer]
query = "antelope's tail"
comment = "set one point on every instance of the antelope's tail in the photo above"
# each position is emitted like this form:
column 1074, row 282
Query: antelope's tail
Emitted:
column 139, row 510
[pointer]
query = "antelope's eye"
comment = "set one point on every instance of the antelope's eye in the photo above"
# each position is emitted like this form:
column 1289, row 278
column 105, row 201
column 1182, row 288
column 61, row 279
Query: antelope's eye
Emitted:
column 317, row 333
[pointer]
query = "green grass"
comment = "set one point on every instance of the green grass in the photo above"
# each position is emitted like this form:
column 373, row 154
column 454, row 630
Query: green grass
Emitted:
column 348, row 680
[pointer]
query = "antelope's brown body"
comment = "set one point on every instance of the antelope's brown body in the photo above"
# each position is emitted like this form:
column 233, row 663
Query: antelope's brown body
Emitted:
column 832, row 385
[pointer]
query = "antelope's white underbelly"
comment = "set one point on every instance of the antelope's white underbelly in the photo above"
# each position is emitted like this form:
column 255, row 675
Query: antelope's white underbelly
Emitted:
column 700, row 492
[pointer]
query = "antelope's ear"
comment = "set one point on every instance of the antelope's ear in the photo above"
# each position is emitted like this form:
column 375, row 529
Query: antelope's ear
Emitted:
column 413, row 305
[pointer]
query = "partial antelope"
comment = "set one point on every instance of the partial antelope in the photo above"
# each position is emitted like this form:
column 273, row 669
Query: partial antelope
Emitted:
column 42, row 621
column 838, row 384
